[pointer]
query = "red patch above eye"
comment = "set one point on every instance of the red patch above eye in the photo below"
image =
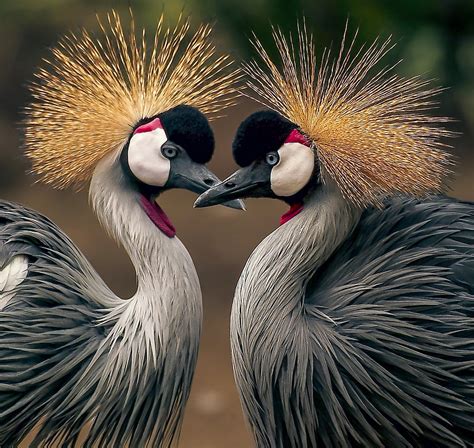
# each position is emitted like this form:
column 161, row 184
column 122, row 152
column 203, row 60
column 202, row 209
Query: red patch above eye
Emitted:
column 148, row 127
column 297, row 137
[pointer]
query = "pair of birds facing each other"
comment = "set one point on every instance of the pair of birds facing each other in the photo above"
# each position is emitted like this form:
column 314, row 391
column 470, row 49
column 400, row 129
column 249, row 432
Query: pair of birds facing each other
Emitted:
column 352, row 322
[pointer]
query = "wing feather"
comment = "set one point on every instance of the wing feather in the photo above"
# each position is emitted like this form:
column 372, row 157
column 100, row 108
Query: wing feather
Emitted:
column 48, row 330
column 11, row 275
column 395, row 305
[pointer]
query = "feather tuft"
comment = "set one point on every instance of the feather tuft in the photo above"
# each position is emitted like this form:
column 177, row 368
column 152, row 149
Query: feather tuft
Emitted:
column 95, row 89
column 369, row 126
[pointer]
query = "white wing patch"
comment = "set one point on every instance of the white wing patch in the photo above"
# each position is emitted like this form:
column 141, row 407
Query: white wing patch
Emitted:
column 10, row 277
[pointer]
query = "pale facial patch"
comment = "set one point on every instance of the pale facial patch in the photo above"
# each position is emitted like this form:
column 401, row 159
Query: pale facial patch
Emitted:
column 145, row 159
column 293, row 171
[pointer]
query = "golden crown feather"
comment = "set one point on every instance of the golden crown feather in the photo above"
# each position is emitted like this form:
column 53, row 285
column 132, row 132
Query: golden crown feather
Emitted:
column 96, row 88
column 369, row 126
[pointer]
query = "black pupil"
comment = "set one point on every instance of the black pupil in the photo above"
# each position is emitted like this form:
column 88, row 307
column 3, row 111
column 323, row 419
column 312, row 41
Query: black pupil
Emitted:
column 272, row 159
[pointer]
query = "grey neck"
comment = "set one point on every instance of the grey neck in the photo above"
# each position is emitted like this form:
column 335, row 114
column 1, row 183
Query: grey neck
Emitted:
column 167, row 302
column 277, row 271
column 151, row 341
column 268, row 309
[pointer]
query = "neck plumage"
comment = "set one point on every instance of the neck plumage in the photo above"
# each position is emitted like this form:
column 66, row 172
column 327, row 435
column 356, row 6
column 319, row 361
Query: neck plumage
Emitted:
column 145, row 362
column 159, row 327
column 276, row 274
column 268, row 311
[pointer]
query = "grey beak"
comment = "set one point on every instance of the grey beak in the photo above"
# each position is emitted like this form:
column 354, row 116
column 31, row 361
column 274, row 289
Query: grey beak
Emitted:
column 196, row 177
column 203, row 179
column 243, row 183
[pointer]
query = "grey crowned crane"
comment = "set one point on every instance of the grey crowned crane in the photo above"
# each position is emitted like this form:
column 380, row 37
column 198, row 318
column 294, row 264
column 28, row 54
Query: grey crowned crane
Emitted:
column 353, row 322
column 129, row 118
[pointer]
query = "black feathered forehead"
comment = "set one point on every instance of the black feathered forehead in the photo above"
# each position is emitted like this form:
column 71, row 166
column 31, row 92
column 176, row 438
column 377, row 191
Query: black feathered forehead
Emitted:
column 188, row 127
column 258, row 134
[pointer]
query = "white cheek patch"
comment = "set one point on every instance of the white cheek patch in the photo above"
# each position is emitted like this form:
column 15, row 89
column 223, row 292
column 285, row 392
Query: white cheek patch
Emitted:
column 294, row 169
column 145, row 159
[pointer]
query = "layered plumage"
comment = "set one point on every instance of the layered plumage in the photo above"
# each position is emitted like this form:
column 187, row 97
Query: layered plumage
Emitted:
column 72, row 352
column 73, row 355
column 351, row 331
column 352, row 323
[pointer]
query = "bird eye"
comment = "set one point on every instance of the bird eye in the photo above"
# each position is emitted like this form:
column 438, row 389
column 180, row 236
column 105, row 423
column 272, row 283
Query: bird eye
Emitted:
column 272, row 158
column 169, row 152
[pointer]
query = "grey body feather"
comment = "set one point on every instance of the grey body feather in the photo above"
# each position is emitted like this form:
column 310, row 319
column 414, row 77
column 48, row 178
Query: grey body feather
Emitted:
column 71, row 352
column 358, row 330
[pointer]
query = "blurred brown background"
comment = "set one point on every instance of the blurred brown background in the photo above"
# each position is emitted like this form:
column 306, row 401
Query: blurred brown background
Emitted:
column 435, row 38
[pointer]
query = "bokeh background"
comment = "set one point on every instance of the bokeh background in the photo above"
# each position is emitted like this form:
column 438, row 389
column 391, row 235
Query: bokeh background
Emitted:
column 435, row 38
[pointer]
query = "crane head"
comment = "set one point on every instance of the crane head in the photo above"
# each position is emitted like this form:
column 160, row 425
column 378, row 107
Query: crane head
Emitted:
column 100, row 92
column 277, row 160
column 170, row 151
column 368, row 127
column 115, row 105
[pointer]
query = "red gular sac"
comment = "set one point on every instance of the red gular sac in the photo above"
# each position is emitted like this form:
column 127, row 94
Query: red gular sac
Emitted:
column 158, row 216
column 294, row 210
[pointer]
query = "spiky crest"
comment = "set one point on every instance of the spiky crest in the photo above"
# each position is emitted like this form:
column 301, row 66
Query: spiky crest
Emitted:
column 369, row 126
column 96, row 88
